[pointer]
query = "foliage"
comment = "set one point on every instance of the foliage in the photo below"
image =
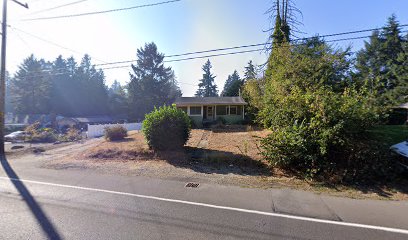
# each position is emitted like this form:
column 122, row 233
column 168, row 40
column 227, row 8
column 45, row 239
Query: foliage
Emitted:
column 232, row 86
column 31, row 87
column 252, row 93
column 382, row 66
column 73, row 134
column 37, row 134
column 166, row 128
column 117, row 102
column 61, row 87
column 115, row 133
column 284, row 13
column 320, row 121
column 151, row 84
column 207, row 87
column 250, row 71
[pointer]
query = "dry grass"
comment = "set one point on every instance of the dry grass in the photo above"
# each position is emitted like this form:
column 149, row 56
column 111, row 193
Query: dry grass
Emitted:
column 133, row 147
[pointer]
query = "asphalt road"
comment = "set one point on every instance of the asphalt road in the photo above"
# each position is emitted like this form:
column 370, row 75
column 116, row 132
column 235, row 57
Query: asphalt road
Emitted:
column 40, row 203
column 36, row 211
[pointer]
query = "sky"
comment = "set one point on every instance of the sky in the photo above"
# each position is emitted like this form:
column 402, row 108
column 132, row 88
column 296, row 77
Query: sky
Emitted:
column 176, row 28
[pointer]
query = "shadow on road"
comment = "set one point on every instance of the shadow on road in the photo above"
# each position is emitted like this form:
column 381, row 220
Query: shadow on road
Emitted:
column 45, row 223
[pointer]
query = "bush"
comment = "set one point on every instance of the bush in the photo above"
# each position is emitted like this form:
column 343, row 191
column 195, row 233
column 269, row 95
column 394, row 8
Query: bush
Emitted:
column 166, row 128
column 40, row 135
column 115, row 133
column 326, row 130
column 73, row 134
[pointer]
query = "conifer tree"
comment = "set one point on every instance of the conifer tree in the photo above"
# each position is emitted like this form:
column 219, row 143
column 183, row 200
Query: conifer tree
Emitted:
column 250, row 71
column 232, row 86
column 207, row 87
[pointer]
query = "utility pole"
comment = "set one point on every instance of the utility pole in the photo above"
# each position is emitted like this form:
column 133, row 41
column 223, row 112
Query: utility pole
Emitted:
column 3, row 72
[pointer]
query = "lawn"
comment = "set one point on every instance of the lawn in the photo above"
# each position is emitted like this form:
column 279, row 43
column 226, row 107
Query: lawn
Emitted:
column 391, row 134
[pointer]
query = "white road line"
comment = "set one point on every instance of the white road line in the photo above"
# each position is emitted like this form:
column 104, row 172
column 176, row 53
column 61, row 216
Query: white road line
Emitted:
column 316, row 220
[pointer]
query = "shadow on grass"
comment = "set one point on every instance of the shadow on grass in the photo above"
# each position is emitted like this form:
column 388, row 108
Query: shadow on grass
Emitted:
column 42, row 219
column 213, row 161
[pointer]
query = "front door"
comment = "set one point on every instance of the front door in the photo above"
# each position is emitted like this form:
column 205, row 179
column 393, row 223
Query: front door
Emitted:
column 210, row 112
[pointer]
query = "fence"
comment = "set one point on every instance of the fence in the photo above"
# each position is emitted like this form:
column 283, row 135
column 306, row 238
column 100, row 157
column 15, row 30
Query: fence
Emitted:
column 98, row 130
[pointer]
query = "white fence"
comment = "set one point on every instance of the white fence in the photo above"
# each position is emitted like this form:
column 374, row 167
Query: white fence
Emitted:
column 98, row 130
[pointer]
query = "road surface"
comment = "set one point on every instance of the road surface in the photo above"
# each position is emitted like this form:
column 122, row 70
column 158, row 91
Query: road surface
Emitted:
column 41, row 204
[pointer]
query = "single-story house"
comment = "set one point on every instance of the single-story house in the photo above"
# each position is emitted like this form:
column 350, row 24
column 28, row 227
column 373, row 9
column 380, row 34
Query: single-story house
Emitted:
column 82, row 122
column 209, row 109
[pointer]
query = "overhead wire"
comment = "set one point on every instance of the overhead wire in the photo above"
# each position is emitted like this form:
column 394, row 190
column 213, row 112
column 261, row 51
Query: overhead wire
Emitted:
column 257, row 45
column 100, row 12
column 57, row 7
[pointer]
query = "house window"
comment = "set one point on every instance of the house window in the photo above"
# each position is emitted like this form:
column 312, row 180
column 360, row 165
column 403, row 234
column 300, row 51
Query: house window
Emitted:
column 184, row 109
column 195, row 110
column 221, row 110
column 233, row 110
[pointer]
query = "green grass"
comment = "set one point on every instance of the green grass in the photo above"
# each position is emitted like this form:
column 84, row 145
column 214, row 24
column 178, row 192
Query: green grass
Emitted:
column 390, row 134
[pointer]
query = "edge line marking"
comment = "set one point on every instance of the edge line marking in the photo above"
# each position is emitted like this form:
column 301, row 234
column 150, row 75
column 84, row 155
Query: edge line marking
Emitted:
column 293, row 217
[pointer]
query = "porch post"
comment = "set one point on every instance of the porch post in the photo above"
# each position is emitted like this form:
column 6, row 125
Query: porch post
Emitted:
column 202, row 111
column 188, row 110
column 215, row 112
column 243, row 112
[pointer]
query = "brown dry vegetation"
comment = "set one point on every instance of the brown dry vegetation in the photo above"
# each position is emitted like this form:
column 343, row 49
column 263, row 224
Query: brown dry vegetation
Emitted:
column 228, row 145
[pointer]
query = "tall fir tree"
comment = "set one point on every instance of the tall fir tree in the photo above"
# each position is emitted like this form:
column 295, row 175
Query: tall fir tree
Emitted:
column 232, row 87
column 377, row 63
column 151, row 83
column 250, row 71
column 207, row 87
column 31, row 87
column 118, row 104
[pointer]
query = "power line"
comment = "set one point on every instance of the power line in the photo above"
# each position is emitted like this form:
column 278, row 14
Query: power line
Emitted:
column 257, row 45
column 100, row 12
column 232, row 53
column 57, row 7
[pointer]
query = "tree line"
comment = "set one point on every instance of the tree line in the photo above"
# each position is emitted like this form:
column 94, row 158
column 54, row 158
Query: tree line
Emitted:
column 66, row 87
column 70, row 88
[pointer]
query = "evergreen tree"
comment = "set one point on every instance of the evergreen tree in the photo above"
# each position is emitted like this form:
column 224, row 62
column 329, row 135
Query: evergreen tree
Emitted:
column 151, row 83
column 400, row 70
column 93, row 91
column 250, row 71
column 31, row 87
column 8, row 99
column 378, row 62
column 207, row 87
column 63, row 88
column 232, row 86
column 117, row 99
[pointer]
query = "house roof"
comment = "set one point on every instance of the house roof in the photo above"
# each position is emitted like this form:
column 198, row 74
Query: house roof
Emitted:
column 184, row 101
column 404, row 106
column 93, row 119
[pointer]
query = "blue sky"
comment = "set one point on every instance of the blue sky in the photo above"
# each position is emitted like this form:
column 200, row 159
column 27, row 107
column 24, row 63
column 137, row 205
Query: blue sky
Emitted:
column 180, row 27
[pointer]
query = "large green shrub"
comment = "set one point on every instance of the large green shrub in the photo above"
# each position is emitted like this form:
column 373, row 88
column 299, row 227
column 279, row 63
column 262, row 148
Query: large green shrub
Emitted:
column 166, row 128
column 319, row 120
